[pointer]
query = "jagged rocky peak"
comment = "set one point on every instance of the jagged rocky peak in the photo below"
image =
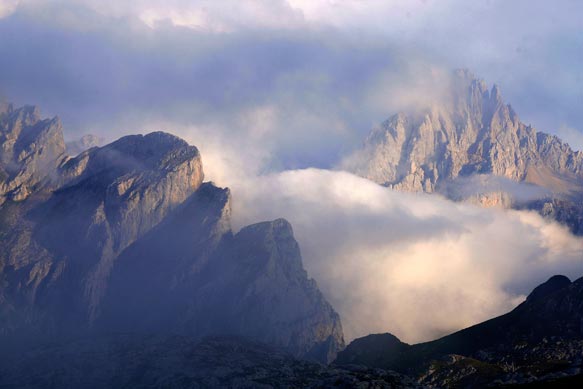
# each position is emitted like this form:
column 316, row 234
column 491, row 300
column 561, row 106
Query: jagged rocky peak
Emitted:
column 129, row 238
column 157, row 152
column 269, row 256
column 112, row 196
column 31, row 149
column 470, row 132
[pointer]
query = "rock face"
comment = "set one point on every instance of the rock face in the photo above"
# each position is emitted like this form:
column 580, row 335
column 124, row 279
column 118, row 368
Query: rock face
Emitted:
column 473, row 133
column 127, row 237
column 540, row 340
column 31, row 150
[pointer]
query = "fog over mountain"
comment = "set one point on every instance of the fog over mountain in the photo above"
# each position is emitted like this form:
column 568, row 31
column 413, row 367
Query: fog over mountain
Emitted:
column 302, row 173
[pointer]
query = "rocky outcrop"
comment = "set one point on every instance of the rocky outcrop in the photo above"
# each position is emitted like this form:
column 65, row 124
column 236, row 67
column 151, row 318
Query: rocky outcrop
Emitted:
column 540, row 340
column 31, row 149
column 266, row 293
column 127, row 237
column 474, row 132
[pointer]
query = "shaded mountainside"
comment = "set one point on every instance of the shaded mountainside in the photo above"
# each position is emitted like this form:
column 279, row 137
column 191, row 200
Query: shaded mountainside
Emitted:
column 128, row 236
column 181, row 362
column 541, row 339
column 472, row 132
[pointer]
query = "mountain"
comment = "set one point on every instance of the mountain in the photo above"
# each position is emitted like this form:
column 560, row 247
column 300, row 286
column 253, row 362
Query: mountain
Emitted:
column 540, row 340
column 31, row 149
column 456, row 146
column 128, row 238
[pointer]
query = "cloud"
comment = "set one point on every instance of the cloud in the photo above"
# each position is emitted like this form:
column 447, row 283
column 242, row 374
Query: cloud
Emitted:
column 327, row 71
column 7, row 7
column 415, row 265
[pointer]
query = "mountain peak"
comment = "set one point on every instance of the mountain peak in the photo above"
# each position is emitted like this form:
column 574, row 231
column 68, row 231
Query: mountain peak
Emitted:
column 475, row 133
column 553, row 284
column 31, row 149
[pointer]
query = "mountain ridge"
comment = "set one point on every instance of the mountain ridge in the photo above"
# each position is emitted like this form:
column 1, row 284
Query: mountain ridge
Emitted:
column 86, row 248
column 541, row 339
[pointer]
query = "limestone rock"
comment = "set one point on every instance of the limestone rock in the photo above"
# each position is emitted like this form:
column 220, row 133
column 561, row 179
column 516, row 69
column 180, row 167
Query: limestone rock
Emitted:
column 31, row 149
column 126, row 237
column 474, row 133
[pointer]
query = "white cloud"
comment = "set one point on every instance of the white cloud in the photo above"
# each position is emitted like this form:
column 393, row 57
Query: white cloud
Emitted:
column 7, row 7
column 414, row 265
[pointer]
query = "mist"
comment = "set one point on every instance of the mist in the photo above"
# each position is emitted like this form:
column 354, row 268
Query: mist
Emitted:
column 415, row 265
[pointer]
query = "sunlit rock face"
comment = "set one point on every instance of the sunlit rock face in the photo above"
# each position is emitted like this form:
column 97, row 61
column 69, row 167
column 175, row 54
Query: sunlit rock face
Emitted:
column 471, row 132
column 31, row 149
column 126, row 237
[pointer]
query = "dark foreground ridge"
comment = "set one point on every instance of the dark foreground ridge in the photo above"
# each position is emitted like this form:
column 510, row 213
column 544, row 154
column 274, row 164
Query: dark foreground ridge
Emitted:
column 541, row 340
column 129, row 361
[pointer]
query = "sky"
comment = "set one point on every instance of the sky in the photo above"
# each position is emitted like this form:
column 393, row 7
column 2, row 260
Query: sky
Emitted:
column 275, row 92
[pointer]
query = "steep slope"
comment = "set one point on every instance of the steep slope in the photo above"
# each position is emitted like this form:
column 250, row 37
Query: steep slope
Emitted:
column 191, row 274
column 126, row 237
column 31, row 150
column 540, row 339
column 472, row 132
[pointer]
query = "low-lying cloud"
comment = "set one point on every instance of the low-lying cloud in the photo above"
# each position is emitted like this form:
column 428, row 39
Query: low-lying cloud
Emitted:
column 415, row 265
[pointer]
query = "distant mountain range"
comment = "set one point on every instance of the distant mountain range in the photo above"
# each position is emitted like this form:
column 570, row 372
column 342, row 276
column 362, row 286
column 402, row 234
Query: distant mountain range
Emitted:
column 472, row 146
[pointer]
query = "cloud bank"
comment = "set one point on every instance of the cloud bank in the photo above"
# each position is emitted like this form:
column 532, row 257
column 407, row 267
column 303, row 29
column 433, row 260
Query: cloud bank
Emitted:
column 416, row 265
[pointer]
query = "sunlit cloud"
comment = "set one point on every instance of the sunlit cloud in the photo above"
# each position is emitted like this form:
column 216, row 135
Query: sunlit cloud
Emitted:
column 416, row 265
column 7, row 7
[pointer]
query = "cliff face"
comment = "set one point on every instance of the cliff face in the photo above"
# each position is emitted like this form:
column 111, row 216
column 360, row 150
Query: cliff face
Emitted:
column 126, row 237
column 472, row 132
column 31, row 150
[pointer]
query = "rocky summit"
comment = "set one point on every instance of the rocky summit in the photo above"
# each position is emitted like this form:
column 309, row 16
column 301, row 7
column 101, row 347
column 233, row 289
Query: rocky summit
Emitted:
column 127, row 238
column 455, row 146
